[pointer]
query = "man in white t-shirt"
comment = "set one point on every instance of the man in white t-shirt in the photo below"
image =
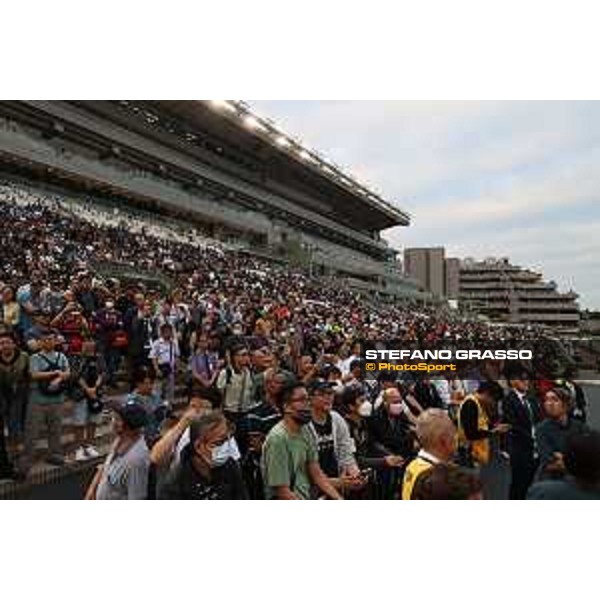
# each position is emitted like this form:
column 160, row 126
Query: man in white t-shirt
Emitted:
column 164, row 354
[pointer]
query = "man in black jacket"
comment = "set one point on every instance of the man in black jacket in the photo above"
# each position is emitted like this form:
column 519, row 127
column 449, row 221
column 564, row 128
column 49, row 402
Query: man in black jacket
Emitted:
column 522, row 413
column 427, row 395
column 141, row 332
column 389, row 427
column 582, row 464
column 208, row 469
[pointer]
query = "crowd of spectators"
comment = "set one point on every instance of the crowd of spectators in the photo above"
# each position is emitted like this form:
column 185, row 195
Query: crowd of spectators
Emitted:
column 267, row 359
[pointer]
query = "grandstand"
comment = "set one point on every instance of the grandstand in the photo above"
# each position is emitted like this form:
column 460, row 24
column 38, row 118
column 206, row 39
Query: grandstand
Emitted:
column 216, row 172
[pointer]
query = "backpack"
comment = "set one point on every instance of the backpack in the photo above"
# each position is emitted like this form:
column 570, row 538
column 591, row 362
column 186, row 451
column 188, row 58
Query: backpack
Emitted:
column 48, row 388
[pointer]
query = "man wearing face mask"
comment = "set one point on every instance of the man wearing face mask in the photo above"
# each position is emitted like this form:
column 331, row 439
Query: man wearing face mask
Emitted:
column 208, row 469
column 390, row 426
column 386, row 381
column 290, row 458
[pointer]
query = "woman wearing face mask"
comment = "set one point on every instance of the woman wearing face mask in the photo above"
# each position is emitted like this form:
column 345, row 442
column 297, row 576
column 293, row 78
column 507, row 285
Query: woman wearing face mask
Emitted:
column 209, row 469
column 357, row 410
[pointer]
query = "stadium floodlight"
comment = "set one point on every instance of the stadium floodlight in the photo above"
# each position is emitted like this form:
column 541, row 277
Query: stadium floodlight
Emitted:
column 223, row 104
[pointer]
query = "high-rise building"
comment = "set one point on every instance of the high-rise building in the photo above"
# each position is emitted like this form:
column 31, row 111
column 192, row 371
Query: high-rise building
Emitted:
column 436, row 274
column 452, row 278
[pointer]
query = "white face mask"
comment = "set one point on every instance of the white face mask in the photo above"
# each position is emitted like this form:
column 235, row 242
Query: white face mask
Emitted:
column 365, row 409
column 221, row 454
column 109, row 305
column 395, row 409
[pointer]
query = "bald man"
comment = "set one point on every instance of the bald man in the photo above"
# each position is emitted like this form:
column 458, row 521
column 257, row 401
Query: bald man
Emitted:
column 437, row 436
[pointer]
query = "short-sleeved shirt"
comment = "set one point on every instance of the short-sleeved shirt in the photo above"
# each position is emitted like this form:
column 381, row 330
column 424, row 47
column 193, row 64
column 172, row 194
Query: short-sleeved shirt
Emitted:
column 125, row 476
column 165, row 352
column 285, row 460
column 41, row 362
column 326, row 447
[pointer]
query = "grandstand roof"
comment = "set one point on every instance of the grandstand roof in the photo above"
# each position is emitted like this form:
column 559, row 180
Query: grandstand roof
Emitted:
column 234, row 122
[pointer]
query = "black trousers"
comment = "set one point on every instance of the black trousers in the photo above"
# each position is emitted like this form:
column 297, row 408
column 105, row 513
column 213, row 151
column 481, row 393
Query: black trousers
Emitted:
column 5, row 464
column 523, row 469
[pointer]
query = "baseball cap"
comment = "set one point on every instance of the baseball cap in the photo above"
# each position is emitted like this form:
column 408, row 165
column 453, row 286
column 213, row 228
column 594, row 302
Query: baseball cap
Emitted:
column 320, row 385
column 45, row 332
column 134, row 415
column 357, row 362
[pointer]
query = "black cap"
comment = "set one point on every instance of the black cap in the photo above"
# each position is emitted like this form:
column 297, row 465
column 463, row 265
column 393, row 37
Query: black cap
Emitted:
column 330, row 368
column 134, row 415
column 318, row 385
column 351, row 393
column 44, row 332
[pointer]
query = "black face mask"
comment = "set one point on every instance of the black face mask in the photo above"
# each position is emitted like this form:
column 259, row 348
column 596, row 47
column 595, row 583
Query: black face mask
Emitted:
column 303, row 416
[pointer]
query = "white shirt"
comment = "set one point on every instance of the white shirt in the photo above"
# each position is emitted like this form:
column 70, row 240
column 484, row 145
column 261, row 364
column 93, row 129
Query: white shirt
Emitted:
column 523, row 398
column 344, row 366
column 165, row 352
column 443, row 389
column 428, row 457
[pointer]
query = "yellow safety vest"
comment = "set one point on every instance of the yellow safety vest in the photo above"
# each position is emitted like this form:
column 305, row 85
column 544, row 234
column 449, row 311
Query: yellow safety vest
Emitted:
column 415, row 469
column 480, row 449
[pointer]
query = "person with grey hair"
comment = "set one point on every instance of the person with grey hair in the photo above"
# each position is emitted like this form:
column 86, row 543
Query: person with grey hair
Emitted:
column 208, row 469
column 437, row 437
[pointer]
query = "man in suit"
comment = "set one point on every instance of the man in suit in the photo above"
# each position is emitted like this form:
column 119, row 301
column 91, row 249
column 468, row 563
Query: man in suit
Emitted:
column 427, row 395
column 141, row 333
column 521, row 412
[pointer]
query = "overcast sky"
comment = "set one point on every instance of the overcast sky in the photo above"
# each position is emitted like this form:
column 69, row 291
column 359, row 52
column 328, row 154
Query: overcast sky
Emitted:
column 515, row 179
